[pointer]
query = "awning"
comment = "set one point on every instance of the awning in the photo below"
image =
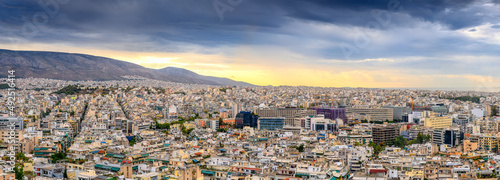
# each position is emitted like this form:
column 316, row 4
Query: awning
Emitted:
column 301, row 174
column 115, row 169
column 208, row 172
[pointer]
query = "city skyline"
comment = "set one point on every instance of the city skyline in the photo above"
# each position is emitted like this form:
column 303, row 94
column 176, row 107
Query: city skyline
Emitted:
column 394, row 44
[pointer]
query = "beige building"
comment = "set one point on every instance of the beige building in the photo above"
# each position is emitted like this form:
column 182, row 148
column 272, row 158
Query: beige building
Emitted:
column 189, row 173
column 372, row 114
column 147, row 176
column 469, row 146
column 5, row 138
column 438, row 122
column 6, row 176
column 489, row 142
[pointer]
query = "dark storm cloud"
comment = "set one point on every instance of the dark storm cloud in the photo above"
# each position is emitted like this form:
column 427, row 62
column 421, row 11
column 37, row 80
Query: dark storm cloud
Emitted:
column 144, row 16
column 158, row 25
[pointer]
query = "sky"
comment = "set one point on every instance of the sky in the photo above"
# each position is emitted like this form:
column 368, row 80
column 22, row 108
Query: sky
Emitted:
column 328, row 43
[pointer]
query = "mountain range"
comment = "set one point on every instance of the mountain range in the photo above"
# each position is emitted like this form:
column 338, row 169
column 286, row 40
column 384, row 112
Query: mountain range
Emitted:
column 69, row 66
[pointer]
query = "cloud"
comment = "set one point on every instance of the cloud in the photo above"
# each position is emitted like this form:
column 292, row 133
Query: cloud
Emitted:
column 437, row 37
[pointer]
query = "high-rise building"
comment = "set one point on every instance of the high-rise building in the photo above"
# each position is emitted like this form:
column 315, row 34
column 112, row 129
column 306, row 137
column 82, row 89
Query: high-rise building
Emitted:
column 438, row 122
column 6, row 122
column 290, row 114
column 487, row 125
column 450, row 137
column 462, row 119
column 271, row 123
column 385, row 133
column 333, row 113
column 440, row 109
column 489, row 142
column 374, row 114
column 214, row 125
column 246, row 118
column 399, row 111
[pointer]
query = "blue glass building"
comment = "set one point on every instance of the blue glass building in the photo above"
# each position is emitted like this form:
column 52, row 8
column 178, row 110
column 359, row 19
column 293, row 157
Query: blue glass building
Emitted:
column 246, row 118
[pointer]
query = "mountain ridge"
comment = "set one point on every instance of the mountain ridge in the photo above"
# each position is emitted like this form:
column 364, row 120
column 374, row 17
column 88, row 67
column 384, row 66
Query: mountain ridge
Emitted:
column 75, row 66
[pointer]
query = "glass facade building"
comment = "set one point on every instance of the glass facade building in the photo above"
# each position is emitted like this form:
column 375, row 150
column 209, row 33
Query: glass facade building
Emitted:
column 271, row 123
column 333, row 113
column 246, row 118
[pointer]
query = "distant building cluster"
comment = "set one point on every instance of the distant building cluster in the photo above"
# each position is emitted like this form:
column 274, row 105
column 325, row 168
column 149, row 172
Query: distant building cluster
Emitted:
column 142, row 129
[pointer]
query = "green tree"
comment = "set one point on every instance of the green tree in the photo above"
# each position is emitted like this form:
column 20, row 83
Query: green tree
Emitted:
column 19, row 172
column 494, row 110
column 132, row 142
column 65, row 173
column 420, row 139
column 57, row 156
column 21, row 156
column 377, row 148
column 301, row 148
column 400, row 142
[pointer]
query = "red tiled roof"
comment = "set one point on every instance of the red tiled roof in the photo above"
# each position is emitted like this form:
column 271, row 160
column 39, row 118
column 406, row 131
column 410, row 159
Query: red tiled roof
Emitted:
column 253, row 169
column 378, row 170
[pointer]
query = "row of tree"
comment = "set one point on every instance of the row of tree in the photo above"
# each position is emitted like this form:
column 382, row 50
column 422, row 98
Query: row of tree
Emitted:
column 401, row 142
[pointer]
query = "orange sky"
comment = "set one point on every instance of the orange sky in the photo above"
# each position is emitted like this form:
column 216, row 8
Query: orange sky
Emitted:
column 272, row 69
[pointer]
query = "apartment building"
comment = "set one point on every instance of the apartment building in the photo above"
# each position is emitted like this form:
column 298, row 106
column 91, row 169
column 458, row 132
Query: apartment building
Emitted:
column 438, row 122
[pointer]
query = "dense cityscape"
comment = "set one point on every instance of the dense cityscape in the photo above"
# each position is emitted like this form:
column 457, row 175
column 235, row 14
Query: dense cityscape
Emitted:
column 146, row 129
